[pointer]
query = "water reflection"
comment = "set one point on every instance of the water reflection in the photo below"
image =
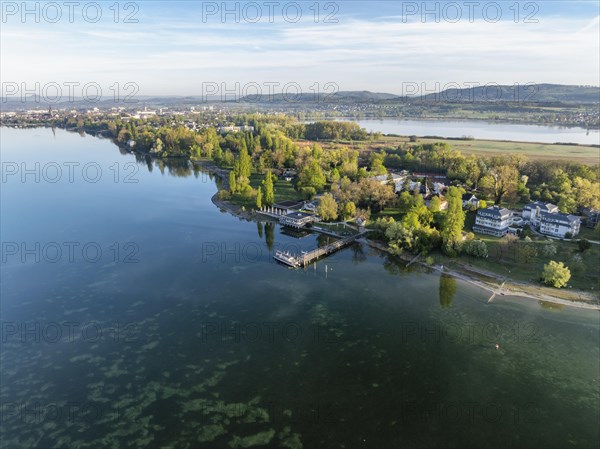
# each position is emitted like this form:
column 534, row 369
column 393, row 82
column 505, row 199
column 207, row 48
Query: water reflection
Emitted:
column 447, row 290
column 270, row 235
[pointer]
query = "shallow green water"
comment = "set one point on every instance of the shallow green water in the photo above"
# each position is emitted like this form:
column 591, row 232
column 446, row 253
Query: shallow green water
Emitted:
column 184, row 333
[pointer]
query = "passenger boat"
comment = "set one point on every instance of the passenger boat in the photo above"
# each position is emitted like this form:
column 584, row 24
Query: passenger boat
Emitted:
column 286, row 258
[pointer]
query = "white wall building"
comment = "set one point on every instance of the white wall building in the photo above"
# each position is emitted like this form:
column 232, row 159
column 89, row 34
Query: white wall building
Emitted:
column 558, row 225
column 493, row 221
column 532, row 212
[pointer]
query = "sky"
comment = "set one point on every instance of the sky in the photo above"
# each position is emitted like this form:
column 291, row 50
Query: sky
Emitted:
column 193, row 48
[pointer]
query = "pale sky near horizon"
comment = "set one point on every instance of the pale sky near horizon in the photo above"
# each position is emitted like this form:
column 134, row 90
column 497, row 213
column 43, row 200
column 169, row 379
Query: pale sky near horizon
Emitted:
column 380, row 46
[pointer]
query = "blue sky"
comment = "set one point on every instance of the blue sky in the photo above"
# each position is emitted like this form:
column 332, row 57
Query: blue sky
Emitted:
column 382, row 46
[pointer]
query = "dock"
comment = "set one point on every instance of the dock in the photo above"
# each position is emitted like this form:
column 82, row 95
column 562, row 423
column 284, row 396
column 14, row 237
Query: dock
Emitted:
column 305, row 259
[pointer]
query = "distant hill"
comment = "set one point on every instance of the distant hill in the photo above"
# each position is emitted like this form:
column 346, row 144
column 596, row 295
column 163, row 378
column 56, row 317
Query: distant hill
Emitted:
column 548, row 94
column 363, row 96
column 534, row 93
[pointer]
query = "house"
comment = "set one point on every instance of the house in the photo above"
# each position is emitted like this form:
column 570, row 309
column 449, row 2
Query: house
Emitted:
column 398, row 180
column 558, row 224
column 283, row 207
column 289, row 174
column 439, row 188
column 297, row 219
column 591, row 217
column 532, row 212
column 468, row 200
column 433, row 177
column 493, row 221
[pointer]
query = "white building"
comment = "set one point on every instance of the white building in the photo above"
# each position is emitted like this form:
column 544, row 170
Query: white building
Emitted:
column 558, row 225
column 398, row 180
column 532, row 212
column 493, row 221
column 468, row 200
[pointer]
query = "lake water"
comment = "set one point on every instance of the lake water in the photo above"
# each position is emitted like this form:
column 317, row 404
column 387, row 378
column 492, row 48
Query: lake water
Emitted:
column 482, row 130
column 136, row 314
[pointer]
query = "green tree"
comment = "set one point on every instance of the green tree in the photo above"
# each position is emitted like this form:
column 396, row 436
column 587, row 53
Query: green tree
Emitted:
column 527, row 252
column 328, row 207
column 312, row 176
column 453, row 222
column 349, row 210
column 232, row 182
column 556, row 274
column 549, row 250
column 259, row 198
column 244, row 163
column 269, row 194
column 584, row 245
column 335, row 175
column 435, row 204
column 476, row 248
column 158, row 147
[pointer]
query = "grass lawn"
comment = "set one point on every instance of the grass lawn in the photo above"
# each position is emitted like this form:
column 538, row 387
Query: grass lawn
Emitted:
column 284, row 190
column 584, row 154
column 508, row 260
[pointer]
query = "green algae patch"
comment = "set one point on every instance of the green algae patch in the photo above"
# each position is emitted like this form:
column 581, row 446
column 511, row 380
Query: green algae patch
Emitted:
column 211, row 432
column 260, row 439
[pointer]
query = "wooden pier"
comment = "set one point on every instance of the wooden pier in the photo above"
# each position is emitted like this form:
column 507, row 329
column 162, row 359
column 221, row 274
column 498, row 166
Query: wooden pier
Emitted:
column 306, row 258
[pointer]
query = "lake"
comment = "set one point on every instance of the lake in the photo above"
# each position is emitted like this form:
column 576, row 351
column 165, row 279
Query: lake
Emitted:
column 136, row 314
column 482, row 130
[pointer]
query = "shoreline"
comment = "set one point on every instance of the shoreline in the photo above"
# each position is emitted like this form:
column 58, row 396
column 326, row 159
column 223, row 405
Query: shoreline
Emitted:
column 507, row 287
column 468, row 274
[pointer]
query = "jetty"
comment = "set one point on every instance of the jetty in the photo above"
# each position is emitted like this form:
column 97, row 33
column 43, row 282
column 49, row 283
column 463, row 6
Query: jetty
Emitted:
column 304, row 259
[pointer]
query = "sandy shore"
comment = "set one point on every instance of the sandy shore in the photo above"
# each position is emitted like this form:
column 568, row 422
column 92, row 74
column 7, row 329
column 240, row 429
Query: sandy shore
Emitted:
column 503, row 286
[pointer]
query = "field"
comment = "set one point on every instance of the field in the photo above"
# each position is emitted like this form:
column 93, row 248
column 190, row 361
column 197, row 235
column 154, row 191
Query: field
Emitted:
column 535, row 151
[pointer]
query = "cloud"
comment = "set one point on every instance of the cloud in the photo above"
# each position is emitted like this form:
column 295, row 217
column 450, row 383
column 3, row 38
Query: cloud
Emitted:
column 173, row 55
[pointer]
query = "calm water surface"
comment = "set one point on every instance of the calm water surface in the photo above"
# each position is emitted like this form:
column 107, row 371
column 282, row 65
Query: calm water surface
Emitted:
column 480, row 129
column 169, row 325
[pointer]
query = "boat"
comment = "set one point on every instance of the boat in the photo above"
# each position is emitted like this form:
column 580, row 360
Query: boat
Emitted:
column 286, row 258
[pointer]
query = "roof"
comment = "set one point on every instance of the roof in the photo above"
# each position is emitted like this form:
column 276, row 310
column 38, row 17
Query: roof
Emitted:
column 468, row 196
column 543, row 206
column 559, row 218
column 383, row 178
column 494, row 210
column 287, row 204
column 298, row 215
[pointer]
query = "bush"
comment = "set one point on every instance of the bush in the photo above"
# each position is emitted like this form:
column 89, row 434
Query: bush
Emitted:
column 576, row 264
column 556, row 274
column 584, row 245
column 476, row 248
column 569, row 235
column 549, row 250
column 223, row 195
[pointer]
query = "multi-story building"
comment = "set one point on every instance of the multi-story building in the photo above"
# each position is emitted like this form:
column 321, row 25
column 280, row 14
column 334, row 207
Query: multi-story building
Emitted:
column 558, row 224
column 592, row 217
column 493, row 221
column 532, row 212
